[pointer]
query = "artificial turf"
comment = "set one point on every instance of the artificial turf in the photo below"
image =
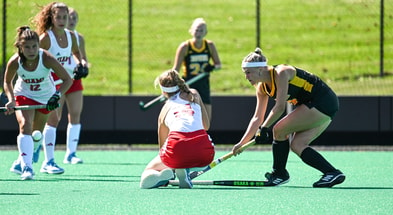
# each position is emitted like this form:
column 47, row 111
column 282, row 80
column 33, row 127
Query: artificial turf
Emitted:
column 108, row 183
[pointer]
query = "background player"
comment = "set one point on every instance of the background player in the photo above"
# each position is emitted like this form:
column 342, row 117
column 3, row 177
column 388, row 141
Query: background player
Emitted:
column 51, row 23
column 194, row 56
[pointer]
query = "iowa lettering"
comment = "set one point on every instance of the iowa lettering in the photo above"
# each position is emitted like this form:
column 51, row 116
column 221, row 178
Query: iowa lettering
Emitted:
column 33, row 80
column 63, row 60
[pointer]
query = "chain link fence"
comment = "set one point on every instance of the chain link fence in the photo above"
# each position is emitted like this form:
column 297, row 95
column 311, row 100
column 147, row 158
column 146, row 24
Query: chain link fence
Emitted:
column 340, row 41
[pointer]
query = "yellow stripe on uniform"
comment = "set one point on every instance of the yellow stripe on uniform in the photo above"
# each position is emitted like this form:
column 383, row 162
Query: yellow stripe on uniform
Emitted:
column 299, row 82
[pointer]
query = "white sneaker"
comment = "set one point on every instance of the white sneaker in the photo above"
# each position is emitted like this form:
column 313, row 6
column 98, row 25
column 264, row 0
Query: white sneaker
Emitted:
column 51, row 168
column 155, row 180
column 27, row 173
column 16, row 167
column 184, row 178
column 72, row 159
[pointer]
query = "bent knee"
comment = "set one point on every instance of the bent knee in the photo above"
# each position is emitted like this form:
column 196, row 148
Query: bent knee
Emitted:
column 280, row 133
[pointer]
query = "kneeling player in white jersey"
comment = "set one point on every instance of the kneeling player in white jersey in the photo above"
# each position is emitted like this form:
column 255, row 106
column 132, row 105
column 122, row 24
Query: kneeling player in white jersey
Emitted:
column 182, row 137
column 34, row 86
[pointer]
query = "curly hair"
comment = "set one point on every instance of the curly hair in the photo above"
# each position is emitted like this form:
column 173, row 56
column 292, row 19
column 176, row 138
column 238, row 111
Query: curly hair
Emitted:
column 43, row 21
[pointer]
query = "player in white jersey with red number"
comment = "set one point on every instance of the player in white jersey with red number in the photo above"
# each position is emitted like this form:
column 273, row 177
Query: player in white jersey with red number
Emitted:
column 182, row 137
column 51, row 24
column 34, row 86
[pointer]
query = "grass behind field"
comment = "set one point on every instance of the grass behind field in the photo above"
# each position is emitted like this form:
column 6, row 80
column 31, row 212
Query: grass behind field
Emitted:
column 108, row 183
column 338, row 41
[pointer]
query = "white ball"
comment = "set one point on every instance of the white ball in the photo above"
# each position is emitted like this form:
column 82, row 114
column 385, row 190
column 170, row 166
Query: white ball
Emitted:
column 37, row 135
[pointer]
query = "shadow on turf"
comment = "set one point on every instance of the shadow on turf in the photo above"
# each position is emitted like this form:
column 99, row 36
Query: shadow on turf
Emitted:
column 19, row 194
column 346, row 188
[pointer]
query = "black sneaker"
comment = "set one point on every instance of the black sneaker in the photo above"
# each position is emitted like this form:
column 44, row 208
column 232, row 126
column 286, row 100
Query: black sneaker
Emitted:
column 273, row 179
column 330, row 179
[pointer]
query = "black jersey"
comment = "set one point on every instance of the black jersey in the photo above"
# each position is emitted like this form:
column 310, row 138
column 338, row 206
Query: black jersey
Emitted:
column 195, row 60
column 303, row 88
column 194, row 63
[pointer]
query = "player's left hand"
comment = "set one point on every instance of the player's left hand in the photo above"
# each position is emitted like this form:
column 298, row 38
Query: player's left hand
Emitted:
column 263, row 136
column 209, row 68
column 80, row 71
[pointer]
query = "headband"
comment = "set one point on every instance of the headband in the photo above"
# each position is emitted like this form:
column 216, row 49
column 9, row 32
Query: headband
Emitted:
column 253, row 64
column 169, row 89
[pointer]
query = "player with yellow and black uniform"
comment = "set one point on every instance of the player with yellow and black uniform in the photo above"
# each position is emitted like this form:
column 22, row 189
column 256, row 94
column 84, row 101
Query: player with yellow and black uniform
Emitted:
column 195, row 56
column 316, row 105
column 308, row 89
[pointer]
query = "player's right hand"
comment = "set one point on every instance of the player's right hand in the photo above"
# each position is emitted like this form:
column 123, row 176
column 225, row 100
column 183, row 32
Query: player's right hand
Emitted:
column 236, row 149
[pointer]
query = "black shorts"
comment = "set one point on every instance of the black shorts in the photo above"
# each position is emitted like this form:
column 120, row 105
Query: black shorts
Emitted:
column 325, row 101
column 203, row 88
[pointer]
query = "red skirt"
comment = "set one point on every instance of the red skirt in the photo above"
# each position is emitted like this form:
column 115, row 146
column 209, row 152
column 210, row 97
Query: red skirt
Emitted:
column 187, row 150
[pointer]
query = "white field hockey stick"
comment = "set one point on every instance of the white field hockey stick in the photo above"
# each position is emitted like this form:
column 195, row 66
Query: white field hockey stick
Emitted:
column 219, row 160
column 235, row 183
column 162, row 98
column 24, row 107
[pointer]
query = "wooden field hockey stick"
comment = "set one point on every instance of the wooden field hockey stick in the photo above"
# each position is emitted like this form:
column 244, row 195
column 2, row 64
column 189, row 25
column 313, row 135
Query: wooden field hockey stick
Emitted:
column 162, row 98
column 219, row 160
column 234, row 183
column 24, row 107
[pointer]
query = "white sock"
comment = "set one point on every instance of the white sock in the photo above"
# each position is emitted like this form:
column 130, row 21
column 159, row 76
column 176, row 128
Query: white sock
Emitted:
column 25, row 147
column 49, row 142
column 73, row 131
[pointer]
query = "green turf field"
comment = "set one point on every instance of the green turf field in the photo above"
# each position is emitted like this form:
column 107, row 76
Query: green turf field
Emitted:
column 108, row 183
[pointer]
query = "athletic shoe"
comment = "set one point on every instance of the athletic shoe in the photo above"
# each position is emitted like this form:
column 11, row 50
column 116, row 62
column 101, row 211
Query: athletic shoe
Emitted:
column 273, row 179
column 184, row 178
column 157, row 179
column 51, row 168
column 72, row 159
column 27, row 173
column 330, row 179
column 16, row 167
column 36, row 153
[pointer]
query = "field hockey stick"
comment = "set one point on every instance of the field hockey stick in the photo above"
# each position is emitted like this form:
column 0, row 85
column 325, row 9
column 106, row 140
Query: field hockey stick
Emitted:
column 162, row 98
column 234, row 183
column 24, row 107
column 219, row 160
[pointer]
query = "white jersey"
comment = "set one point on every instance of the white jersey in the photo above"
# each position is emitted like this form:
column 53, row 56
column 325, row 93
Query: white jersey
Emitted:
column 36, row 85
column 183, row 116
column 63, row 55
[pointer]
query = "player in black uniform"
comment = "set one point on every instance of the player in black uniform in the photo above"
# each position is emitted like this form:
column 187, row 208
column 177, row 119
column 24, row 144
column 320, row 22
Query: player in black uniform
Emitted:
column 316, row 104
column 194, row 56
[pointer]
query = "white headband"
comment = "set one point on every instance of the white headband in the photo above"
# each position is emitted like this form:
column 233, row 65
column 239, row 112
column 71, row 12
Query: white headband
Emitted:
column 169, row 89
column 253, row 64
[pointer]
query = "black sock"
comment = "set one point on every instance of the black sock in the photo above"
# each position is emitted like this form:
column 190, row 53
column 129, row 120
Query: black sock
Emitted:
column 314, row 159
column 280, row 156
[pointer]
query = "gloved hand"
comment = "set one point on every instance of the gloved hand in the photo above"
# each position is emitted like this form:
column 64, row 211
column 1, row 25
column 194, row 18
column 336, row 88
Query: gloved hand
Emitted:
column 53, row 101
column 209, row 68
column 263, row 136
column 80, row 71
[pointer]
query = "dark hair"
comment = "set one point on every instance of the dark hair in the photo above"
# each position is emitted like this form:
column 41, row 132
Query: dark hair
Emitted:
column 24, row 34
